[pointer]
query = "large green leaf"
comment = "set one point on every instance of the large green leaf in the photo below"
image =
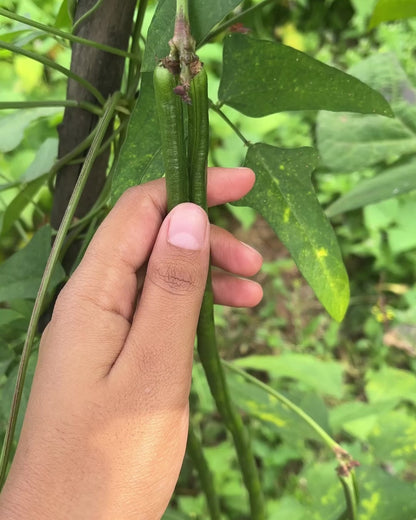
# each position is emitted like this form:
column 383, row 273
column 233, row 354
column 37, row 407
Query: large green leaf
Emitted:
column 384, row 496
column 387, row 10
column 20, row 275
column 284, row 195
column 262, row 77
column 348, row 142
column 358, row 418
column 203, row 17
column 257, row 403
column 390, row 183
column 393, row 437
column 13, row 126
column 140, row 158
column 391, row 384
column 324, row 377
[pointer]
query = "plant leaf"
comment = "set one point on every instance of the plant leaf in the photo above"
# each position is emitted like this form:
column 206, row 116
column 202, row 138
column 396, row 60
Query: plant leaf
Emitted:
column 140, row 159
column 43, row 161
column 203, row 17
column 387, row 10
column 324, row 377
column 390, row 183
column 348, row 142
column 19, row 203
column 262, row 77
column 391, row 384
column 384, row 496
column 13, row 126
column 258, row 403
column 20, row 275
column 284, row 195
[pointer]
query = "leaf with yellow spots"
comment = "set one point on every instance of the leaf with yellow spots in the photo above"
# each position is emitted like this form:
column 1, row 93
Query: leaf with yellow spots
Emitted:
column 263, row 77
column 284, row 195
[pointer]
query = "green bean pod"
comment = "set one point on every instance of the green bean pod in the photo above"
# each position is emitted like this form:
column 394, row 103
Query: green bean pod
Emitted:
column 198, row 138
column 198, row 144
column 170, row 113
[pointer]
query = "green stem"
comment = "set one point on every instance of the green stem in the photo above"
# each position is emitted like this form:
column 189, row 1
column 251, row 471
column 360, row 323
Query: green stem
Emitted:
column 102, row 126
column 182, row 10
column 231, row 21
column 135, row 65
column 195, row 451
column 327, row 439
column 64, row 103
column 83, row 145
column 345, row 469
column 217, row 109
column 86, row 15
column 65, row 35
column 49, row 63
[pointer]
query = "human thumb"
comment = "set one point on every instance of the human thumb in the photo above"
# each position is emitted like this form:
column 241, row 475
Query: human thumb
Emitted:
column 162, row 334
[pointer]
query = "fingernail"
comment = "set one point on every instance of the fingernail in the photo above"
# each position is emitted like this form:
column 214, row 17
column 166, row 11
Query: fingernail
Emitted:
column 187, row 227
column 250, row 248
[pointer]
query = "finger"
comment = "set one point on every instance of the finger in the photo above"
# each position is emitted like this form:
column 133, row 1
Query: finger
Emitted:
column 228, row 184
column 159, row 346
column 234, row 291
column 228, row 253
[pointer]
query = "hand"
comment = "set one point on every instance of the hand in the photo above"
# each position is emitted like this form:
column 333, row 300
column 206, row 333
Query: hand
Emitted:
column 107, row 420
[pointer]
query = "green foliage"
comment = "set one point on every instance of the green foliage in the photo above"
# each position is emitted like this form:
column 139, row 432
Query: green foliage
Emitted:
column 20, row 274
column 140, row 160
column 387, row 10
column 281, row 78
column 354, row 380
column 349, row 142
column 283, row 194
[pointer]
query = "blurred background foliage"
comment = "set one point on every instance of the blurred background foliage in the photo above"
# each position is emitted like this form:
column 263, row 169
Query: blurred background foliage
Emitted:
column 355, row 379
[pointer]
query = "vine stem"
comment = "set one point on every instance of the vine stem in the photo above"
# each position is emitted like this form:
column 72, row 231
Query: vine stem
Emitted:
column 64, row 35
column 102, row 126
column 135, row 64
column 86, row 15
column 346, row 466
column 44, row 104
column 218, row 110
column 49, row 63
column 195, row 451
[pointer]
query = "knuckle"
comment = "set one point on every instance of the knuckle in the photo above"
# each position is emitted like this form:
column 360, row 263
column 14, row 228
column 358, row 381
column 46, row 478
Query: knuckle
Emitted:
column 176, row 276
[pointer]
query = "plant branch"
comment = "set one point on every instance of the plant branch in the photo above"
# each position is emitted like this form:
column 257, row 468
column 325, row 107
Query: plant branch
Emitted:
column 135, row 65
column 194, row 448
column 65, row 35
column 49, row 63
column 86, row 15
column 102, row 126
column 64, row 103
column 217, row 109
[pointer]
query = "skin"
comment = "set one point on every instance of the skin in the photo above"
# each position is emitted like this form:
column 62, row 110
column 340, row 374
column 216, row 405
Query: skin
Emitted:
column 105, row 429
